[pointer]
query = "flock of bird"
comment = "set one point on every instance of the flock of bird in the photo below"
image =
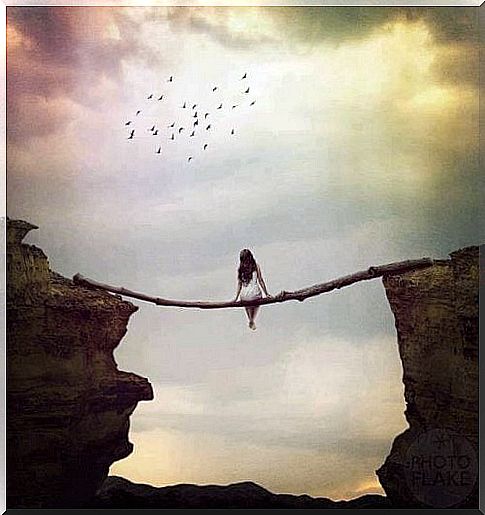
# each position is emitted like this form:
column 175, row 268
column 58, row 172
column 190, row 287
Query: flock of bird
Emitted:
column 200, row 121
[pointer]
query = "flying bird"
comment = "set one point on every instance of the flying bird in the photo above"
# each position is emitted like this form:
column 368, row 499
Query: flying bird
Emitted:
column 232, row 132
column 173, row 137
column 181, row 129
column 252, row 103
column 196, row 122
column 195, row 115
column 159, row 150
column 150, row 96
column 247, row 91
column 205, row 146
column 188, row 160
column 173, row 125
column 155, row 133
column 138, row 112
column 208, row 127
column 192, row 134
column 161, row 96
column 128, row 123
column 244, row 76
column 171, row 79
column 194, row 106
column 152, row 129
column 206, row 115
column 131, row 134
column 220, row 107
column 234, row 106
column 185, row 105
column 214, row 88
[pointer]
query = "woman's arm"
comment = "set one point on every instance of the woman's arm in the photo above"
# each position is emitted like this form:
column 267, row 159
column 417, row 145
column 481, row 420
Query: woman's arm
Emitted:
column 261, row 281
column 238, row 289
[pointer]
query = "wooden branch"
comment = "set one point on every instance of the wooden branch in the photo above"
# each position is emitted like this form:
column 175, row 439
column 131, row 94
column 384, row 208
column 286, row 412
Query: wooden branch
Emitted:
column 300, row 295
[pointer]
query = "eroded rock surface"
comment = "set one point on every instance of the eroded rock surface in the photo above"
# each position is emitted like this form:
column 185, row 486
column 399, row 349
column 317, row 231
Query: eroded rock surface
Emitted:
column 436, row 317
column 68, row 405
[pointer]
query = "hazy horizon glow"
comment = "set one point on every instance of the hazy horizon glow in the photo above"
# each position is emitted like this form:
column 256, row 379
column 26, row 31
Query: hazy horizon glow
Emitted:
column 361, row 149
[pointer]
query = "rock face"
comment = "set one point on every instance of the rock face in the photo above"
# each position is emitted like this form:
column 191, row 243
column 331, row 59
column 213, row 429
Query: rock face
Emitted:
column 436, row 315
column 68, row 405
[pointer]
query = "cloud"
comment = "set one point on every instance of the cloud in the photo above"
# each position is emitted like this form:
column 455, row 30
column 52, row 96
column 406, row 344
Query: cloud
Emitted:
column 238, row 28
column 329, row 407
column 57, row 55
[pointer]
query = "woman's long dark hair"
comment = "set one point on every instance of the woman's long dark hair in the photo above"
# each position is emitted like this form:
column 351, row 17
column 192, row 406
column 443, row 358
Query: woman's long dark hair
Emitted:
column 247, row 266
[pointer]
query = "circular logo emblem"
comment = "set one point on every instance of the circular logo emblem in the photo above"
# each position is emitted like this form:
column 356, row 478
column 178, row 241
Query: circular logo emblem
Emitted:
column 441, row 468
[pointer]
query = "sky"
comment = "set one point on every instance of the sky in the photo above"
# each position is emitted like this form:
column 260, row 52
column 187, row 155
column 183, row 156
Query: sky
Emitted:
column 361, row 149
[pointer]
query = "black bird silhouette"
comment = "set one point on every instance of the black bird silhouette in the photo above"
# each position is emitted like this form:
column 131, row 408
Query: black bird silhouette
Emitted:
column 161, row 96
column 188, row 160
column 155, row 133
column 185, row 105
column 159, row 150
column 214, row 88
column 192, row 134
column 131, row 134
column 252, row 103
column 234, row 106
column 232, row 132
column 150, row 96
column 247, row 91
column 152, row 129
column 196, row 122
column 220, row 107
column 244, row 76
column 181, row 129
column 171, row 78
column 195, row 115
column 208, row 127
column 173, row 137
column 205, row 146
column 128, row 123
column 206, row 115
column 173, row 125
column 138, row 112
column 194, row 106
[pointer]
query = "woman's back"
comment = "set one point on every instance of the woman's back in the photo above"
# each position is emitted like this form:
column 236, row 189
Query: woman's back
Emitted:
column 251, row 290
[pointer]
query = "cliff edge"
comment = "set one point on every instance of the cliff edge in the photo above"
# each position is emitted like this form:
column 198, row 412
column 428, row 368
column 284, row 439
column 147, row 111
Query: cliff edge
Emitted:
column 434, row 463
column 68, row 405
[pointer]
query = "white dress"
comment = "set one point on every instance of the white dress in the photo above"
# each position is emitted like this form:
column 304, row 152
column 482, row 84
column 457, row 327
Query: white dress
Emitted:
column 251, row 290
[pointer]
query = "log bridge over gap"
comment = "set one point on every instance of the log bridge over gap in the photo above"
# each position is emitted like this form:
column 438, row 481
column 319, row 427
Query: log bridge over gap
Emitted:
column 300, row 295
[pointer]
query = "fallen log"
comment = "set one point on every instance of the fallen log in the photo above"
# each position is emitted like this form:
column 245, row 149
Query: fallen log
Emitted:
column 300, row 295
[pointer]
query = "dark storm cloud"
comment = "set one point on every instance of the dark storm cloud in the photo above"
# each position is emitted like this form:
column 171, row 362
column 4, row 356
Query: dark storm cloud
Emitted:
column 58, row 53
column 315, row 24
column 340, row 24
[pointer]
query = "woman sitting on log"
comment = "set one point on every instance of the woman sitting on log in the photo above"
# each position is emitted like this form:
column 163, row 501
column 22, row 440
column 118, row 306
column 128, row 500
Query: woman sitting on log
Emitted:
column 249, row 275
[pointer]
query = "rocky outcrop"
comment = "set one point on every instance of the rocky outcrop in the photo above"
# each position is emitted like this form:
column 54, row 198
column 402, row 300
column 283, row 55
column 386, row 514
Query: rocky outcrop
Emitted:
column 434, row 462
column 68, row 405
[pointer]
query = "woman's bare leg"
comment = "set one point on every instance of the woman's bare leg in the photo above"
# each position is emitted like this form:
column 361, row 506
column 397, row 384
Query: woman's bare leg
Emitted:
column 253, row 313
column 248, row 313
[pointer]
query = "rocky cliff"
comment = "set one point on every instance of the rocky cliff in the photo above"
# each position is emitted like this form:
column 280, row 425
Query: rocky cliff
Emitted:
column 68, row 405
column 434, row 462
